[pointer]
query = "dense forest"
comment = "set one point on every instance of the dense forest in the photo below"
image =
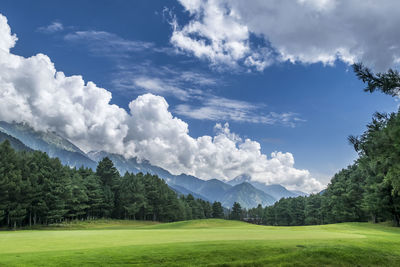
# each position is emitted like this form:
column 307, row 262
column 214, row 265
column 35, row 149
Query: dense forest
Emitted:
column 368, row 190
column 37, row 189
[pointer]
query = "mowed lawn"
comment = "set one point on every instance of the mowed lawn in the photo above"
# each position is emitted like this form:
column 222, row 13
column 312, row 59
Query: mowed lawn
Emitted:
column 201, row 242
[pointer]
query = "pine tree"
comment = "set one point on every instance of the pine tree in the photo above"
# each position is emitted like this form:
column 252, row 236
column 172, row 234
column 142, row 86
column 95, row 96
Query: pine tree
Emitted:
column 236, row 213
column 217, row 210
column 313, row 210
column 77, row 204
column 132, row 195
column 109, row 178
column 13, row 204
column 95, row 196
column 6, row 166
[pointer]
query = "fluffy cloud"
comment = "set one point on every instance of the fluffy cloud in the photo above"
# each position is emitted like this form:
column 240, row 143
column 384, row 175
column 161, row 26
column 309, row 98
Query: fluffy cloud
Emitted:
column 7, row 39
column 215, row 34
column 32, row 91
column 307, row 31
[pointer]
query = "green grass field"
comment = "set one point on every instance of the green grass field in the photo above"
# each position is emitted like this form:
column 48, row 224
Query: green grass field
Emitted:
column 201, row 242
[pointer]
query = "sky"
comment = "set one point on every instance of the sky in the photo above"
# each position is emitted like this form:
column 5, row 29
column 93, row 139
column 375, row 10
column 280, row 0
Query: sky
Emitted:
column 215, row 89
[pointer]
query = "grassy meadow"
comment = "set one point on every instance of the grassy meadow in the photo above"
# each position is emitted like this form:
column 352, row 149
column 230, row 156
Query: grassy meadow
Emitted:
column 200, row 243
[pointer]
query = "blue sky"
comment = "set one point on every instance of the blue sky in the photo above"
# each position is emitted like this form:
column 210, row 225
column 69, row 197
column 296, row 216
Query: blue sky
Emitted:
column 307, row 107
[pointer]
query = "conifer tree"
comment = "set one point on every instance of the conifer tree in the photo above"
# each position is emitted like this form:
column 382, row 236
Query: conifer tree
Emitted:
column 236, row 213
column 217, row 210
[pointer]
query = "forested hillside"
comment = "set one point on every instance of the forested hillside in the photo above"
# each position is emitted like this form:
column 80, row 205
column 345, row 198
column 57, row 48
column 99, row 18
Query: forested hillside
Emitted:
column 37, row 189
column 367, row 190
column 24, row 137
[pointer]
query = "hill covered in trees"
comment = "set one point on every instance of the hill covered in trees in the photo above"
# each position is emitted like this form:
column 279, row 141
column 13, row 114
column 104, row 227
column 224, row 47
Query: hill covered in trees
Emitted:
column 24, row 137
column 37, row 189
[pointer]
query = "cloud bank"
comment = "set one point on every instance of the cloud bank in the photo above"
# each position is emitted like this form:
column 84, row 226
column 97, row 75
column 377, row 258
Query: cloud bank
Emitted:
column 305, row 31
column 33, row 91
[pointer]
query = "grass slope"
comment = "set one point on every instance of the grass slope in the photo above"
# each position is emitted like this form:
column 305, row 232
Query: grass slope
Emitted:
column 201, row 242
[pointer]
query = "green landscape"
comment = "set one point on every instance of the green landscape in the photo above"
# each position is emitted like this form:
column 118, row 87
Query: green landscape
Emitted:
column 55, row 215
column 188, row 158
column 211, row 242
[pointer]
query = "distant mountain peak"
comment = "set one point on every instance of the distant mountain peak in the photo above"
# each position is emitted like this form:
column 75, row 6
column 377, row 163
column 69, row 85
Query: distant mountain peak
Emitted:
column 240, row 179
column 244, row 184
column 247, row 196
column 26, row 133
column 275, row 190
column 49, row 142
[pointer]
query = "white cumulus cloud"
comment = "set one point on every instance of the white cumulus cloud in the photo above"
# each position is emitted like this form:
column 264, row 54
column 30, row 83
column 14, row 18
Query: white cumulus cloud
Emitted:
column 306, row 31
column 216, row 34
column 33, row 91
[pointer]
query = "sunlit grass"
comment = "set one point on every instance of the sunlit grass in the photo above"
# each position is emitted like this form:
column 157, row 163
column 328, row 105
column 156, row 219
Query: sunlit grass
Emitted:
column 201, row 242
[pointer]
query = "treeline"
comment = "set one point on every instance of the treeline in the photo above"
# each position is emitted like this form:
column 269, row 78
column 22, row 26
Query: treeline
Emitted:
column 37, row 189
column 368, row 190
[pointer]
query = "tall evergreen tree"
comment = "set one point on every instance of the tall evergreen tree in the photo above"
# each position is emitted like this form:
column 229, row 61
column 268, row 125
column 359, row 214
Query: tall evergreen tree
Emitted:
column 312, row 210
column 109, row 179
column 95, row 194
column 132, row 195
column 236, row 213
column 217, row 210
column 77, row 204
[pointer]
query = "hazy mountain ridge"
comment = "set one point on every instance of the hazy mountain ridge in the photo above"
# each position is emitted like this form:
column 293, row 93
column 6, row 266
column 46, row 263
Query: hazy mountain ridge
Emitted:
column 275, row 190
column 247, row 195
column 51, row 143
column 213, row 189
column 241, row 189
column 180, row 190
column 35, row 139
column 15, row 143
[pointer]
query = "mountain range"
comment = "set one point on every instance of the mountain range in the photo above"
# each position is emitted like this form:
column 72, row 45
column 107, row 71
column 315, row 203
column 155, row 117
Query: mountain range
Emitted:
column 275, row 190
column 51, row 143
column 241, row 189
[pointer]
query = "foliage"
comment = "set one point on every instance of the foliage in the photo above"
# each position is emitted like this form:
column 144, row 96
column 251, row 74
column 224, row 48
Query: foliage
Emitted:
column 36, row 189
column 388, row 83
column 217, row 210
column 236, row 213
